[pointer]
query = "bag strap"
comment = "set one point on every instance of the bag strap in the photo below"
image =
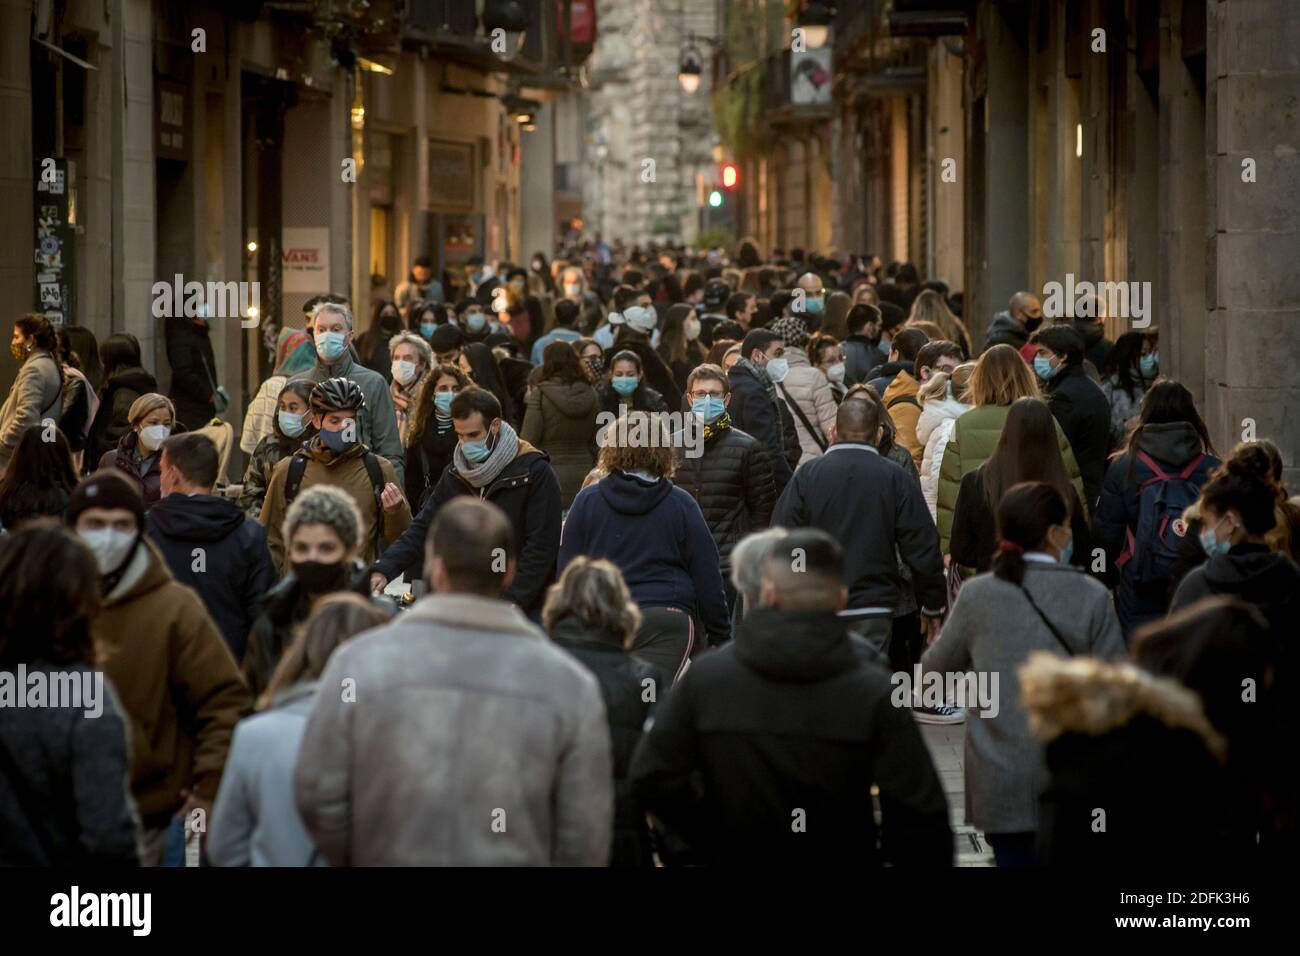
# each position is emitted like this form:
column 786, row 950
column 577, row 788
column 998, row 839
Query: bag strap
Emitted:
column 899, row 399
column 1050, row 626
column 794, row 407
column 377, row 486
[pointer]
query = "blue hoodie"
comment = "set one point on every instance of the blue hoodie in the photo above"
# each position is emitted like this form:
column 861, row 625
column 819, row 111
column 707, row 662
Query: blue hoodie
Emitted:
column 656, row 535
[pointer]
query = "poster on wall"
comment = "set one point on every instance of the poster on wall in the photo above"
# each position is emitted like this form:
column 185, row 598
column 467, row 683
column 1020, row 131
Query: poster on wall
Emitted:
column 810, row 77
column 306, row 259
column 55, row 235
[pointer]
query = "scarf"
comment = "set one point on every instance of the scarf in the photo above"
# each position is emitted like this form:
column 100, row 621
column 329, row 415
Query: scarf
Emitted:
column 718, row 427
column 761, row 375
column 482, row 475
column 404, row 398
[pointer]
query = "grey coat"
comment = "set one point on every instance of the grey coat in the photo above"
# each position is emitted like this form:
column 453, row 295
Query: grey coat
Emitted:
column 992, row 629
column 254, row 821
column 37, row 394
column 378, row 418
column 472, row 741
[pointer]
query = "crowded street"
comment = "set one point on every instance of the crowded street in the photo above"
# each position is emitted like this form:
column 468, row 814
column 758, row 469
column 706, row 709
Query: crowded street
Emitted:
column 753, row 437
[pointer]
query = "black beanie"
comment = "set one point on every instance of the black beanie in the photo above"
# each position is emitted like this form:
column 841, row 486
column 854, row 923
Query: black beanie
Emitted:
column 106, row 488
column 446, row 338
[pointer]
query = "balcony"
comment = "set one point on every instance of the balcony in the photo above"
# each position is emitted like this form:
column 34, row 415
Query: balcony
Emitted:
column 797, row 88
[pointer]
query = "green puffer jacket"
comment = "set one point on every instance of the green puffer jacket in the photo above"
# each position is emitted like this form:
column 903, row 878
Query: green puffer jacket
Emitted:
column 974, row 437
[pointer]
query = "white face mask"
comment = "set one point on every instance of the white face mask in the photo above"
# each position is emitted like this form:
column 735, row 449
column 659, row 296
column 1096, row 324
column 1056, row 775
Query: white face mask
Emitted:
column 152, row 436
column 404, row 371
column 692, row 329
column 110, row 546
column 836, row 373
column 640, row 318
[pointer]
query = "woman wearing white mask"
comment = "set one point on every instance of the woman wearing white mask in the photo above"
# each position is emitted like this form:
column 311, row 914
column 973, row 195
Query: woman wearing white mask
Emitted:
column 826, row 353
column 292, row 427
column 679, row 342
column 153, row 419
column 412, row 362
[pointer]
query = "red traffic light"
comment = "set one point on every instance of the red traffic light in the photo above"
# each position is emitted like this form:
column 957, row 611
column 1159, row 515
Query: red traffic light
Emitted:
column 730, row 175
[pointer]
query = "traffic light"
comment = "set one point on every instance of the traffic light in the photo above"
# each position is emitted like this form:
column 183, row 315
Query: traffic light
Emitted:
column 730, row 175
column 715, row 199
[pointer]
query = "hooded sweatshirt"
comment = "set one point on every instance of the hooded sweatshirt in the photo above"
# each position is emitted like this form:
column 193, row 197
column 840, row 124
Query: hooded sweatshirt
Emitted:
column 656, row 535
column 1268, row 579
column 211, row 545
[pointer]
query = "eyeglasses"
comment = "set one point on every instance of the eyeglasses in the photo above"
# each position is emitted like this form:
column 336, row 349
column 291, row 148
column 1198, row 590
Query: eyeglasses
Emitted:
column 697, row 395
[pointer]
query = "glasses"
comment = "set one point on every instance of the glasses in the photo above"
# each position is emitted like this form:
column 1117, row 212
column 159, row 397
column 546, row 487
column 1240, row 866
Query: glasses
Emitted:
column 697, row 395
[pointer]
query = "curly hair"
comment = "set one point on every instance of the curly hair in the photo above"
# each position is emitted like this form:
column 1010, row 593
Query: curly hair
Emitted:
column 324, row 504
column 593, row 591
column 637, row 441
column 48, row 595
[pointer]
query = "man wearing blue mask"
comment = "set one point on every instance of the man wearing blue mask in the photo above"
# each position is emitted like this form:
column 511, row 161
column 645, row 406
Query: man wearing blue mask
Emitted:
column 331, row 328
column 494, row 464
column 730, row 476
column 336, row 456
column 1079, row 404
column 755, row 408
column 814, row 299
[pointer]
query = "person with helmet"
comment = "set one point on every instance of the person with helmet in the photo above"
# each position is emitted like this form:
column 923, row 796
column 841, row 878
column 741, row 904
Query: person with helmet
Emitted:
column 713, row 308
column 336, row 456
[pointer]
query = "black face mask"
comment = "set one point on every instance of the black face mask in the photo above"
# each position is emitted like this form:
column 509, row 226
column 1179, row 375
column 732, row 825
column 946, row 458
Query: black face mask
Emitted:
column 1032, row 325
column 320, row 577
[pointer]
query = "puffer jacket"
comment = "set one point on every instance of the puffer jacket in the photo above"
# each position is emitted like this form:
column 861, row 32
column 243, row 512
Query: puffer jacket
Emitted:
column 37, row 394
column 933, row 429
column 809, row 387
column 561, row 418
column 120, row 392
column 1004, row 330
column 905, row 409
column 624, row 679
column 146, row 472
column 973, row 440
column 732, row 483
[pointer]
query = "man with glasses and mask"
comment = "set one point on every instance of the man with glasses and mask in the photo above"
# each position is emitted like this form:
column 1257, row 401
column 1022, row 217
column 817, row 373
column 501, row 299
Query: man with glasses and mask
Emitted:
column 494, row 464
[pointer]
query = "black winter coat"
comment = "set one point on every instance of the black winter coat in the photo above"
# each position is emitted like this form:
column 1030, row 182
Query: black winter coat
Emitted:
column 1096, row 347
column 756, row 413
column 644, row 399
column 733, row 485
column 877, row 513
column 233, row 569
column 1081, row 408
column 529, row 493
column 194, row 371
column 624, row 681
column 120, row 391
column 767, row 749
column 427, row 457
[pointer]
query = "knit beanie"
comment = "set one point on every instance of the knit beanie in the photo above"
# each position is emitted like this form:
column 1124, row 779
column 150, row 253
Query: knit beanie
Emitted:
column 106, row 488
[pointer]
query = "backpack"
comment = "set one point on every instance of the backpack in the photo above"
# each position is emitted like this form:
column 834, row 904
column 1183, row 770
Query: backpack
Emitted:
column 293, row 482
column 899, row 399
column 1152, row 544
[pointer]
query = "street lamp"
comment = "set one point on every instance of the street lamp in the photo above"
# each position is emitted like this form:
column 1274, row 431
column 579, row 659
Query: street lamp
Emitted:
column 509, row 17
column 815, row 21
column 690, row 68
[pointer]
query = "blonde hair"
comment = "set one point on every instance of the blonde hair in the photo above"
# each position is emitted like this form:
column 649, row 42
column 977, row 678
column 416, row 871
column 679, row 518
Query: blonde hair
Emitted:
column 417, row 341
column 1000, row 377
column 148, row 403
column 335, row 619
column 937, row 386
column 637, row 441
column 593, row 591
column 930, row 307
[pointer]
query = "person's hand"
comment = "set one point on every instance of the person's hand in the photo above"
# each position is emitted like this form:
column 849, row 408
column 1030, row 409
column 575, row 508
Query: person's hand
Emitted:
column 391, row 497
column 377, row 582
column 930, row 628
column 947, row 561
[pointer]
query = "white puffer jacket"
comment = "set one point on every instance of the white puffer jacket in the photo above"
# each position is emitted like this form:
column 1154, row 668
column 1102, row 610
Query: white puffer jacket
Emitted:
column 809, row 387
column 933, row 430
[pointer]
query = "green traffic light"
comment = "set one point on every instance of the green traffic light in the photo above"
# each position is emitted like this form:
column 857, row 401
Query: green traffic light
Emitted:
column 715, row 199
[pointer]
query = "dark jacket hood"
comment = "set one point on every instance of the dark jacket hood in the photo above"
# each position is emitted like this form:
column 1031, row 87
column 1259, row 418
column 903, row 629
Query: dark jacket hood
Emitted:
column 630, row 495
column 795, row 646
column 1253, row 571
column 134, row 378
column 1172, row 443
column 1092, row 332
column 1004, row 326
column 196, row 517
column 571, row 631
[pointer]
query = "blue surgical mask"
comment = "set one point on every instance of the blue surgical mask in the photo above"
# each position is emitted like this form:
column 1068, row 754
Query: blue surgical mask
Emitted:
column 710, row 408
column 948, row 388
column 777, row 369
column 1067, row 552
column 442, row 402
column 1211, row 544
column 475, row 451
column 1149, row 364
column 814, row 305
column 476, row 321
column 886, row 343
column 331, row 345
column 625, row 384
column 291, row 423
column 337, row 442
column 1043, row 367
column 427, row 329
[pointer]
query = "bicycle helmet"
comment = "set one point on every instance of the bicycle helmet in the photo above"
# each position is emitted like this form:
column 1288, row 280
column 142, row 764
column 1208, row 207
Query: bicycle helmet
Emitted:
column 336, row 395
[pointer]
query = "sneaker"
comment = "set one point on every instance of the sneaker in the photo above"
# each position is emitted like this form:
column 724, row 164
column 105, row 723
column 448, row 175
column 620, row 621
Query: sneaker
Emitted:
column 943, row 714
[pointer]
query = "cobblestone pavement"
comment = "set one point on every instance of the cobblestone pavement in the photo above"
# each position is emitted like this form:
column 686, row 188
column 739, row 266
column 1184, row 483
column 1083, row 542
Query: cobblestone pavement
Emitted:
column 946, row 743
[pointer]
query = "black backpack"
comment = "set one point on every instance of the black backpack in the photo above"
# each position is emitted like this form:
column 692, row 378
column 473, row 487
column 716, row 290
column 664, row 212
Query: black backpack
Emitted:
column 293, row 482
